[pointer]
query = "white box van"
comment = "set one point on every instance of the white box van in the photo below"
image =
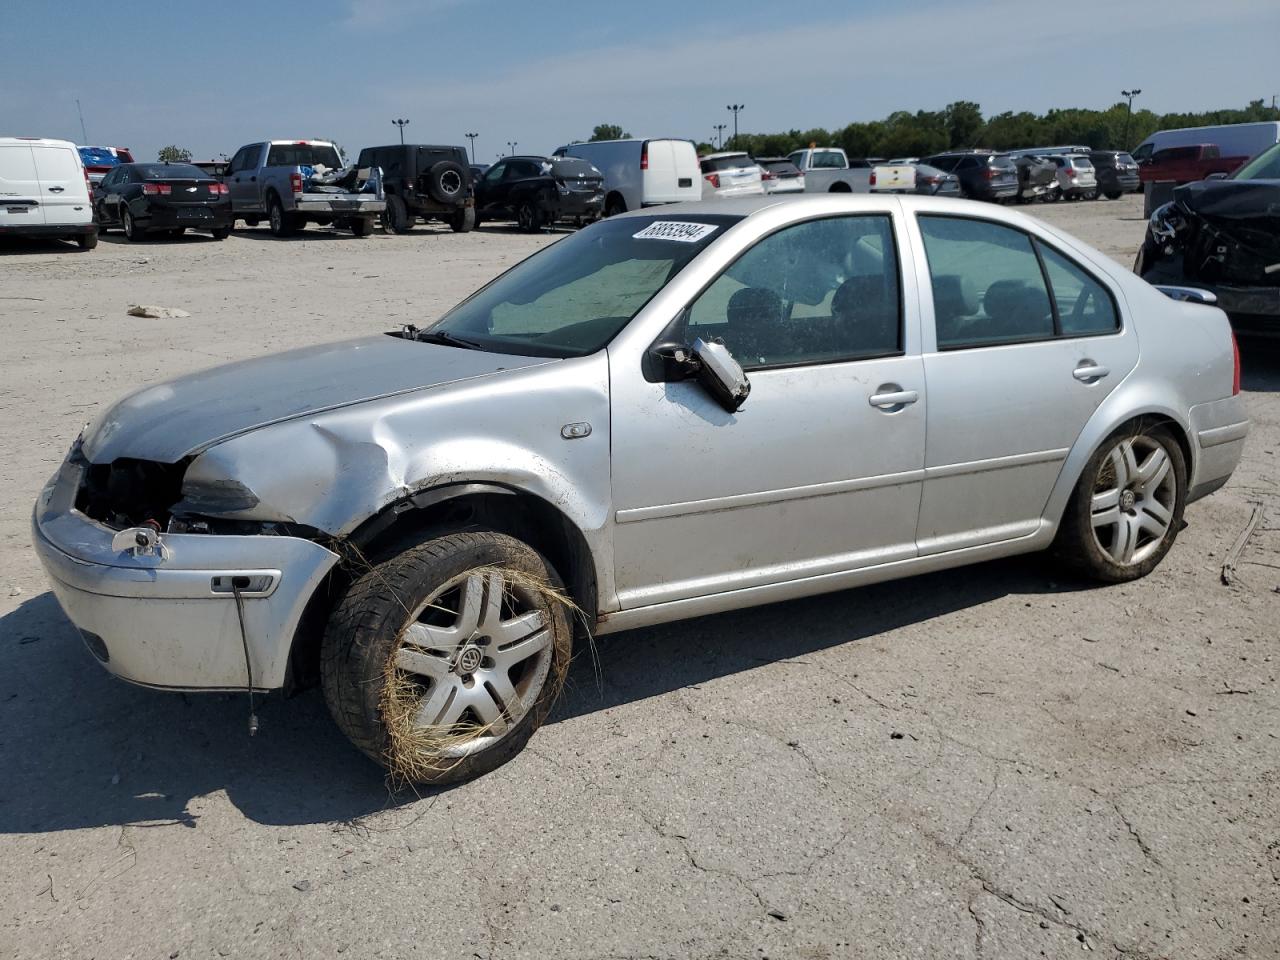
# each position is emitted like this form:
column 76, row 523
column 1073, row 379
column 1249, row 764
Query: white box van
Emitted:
column 642, row 173
column 44, row 191
column 1231, row 139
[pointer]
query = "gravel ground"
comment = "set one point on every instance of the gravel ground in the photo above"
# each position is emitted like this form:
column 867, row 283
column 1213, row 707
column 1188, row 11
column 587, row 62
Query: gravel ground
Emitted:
column 987, row 762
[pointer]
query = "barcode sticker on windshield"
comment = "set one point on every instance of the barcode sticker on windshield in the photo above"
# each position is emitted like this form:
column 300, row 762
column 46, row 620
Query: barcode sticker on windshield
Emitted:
column 676, row 230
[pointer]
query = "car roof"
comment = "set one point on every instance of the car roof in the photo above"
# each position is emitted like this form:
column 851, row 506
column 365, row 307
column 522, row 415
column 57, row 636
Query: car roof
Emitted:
column 723, row 153
column 851, row 202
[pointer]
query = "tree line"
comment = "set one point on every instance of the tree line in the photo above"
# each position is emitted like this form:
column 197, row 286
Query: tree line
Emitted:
column 962, row 124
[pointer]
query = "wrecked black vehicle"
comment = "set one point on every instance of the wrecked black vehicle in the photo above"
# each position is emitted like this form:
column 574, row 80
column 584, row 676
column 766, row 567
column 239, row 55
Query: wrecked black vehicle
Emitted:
column 1223, row 235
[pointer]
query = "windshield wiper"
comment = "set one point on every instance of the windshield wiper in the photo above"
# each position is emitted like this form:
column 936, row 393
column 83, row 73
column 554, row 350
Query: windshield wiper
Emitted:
column 448, row 339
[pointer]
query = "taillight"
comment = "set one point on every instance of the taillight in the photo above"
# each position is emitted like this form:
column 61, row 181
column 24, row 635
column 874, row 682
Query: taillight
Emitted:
column 295, row 182
column 156, row 189
column 713, row 179
column 219, row 189
column 873, row 178
column 644, row 157
column 88, row 184
column 990, row 173
column 931, row 180
column 766, row 175
column 1235, row 356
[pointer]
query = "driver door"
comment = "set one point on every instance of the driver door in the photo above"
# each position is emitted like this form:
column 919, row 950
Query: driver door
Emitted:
column 821, row 470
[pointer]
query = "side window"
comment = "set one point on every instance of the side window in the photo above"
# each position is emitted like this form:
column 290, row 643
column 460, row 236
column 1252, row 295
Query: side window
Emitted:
column 494, row 173
column 244, row 159
column 988, row 287
column 1084, row 305
column 815, row 292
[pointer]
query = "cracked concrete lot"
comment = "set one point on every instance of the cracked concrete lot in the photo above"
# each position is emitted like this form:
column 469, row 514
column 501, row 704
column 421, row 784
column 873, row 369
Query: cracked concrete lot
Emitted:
column 996, row 762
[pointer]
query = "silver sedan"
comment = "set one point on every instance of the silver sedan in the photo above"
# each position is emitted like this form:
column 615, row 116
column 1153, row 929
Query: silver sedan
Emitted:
column 668, row 414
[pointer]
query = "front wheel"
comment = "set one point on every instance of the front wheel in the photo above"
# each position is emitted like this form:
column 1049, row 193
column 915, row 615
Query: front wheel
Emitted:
column 1113, row 194
column 1126, row 509
column 442, row 661
column 396, row 219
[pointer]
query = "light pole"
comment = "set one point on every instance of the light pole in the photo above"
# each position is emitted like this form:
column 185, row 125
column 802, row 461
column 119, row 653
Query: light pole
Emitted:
column 736, row 108
column 84, row 137
column 472, row 138
column 719, row 128
column 511, row 147
column 1128, row 115
column 401, row 124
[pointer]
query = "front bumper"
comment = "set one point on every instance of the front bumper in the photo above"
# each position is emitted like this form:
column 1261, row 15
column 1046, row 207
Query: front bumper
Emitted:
column 172, row 622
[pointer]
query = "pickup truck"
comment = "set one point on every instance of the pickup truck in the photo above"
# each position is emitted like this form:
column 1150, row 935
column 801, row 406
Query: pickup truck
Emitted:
column 828, row 170
column 290, row 183
column 1187, row 164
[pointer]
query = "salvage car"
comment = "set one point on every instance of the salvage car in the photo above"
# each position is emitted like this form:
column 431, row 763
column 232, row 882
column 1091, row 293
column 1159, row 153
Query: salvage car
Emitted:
column 161, row 199
column 433, row 517
column 1116, row 173
column 730, row 174
column 983, row 175
column 419, row 180
column 538, row 191
column 1222, row 236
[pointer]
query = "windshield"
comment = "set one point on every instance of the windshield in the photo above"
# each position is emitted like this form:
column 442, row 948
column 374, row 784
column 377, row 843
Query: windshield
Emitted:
column 572, row 298
column 827, row 160
column 1265, row 166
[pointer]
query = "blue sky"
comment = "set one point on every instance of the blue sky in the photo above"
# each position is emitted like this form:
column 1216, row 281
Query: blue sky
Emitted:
column 211, row 76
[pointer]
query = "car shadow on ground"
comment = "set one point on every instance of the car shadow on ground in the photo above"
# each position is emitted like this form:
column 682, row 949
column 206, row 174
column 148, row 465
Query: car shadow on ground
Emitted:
column 15, row 246
column 82, row 749
column 119, row 239
column 1259, row 363
column 313, row 234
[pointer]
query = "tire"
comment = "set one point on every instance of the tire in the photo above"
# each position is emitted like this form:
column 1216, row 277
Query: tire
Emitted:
column 529, row 218
column 87, row 241
column 361, row 226
column 396, row 218
column 282, row 223
column 1113, row 194
column 447, row 182
column 1126, row 509
column 130, row 227
column 220, row 233
column 391, row 623
column 615, row 206
column 464, row 220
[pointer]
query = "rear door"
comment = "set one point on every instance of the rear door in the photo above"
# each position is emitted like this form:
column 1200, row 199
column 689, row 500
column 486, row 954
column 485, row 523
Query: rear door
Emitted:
column 19, row 187
column 672, row 174
column 1025, row 343
column 64, row 192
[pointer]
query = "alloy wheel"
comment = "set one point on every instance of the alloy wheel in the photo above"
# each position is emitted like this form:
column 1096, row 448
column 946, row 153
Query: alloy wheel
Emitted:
column 1133, row 501
column 479, row 650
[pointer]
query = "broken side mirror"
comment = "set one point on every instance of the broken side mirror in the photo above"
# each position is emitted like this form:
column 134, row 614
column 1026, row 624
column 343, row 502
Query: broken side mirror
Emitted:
column 720, row 374
column 1216, row 176
column 670, row 362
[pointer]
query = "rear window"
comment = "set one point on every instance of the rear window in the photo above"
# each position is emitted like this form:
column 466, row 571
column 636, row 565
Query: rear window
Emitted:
column 1175, row 153
column 1004, row 163
column 942, row 163
column 1082, row 163
column 572, row 167
column 1125, row 158
column 169, row 171
column 827, row 159
column 713, row 164
column 303, row 155
column 780, row 168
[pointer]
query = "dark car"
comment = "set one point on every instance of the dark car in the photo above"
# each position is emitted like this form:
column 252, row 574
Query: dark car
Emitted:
column 983, row 175
column 1223, row 235
column 1037, row 179
column 934, row 182
column 419, row 180
column 1117, row 173
column 167, row 198
column 537, row 191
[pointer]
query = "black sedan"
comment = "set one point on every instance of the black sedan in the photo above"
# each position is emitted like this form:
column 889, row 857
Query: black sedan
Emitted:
column 163, row 199
column 538, row 191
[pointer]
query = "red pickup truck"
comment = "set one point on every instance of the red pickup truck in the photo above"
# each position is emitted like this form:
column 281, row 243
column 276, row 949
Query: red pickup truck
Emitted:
column 1187, row 164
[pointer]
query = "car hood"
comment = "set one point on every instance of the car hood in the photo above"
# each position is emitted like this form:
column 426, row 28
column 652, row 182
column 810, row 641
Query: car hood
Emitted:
column 172, row 420
column 1232, row 199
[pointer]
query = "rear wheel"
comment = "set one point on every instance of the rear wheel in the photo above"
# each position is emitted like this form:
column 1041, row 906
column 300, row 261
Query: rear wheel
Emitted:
column 396, row 218
column 615, row 206
column 442, row 661
column 1113, row 194
column 464, row 220
column 360, row 226
column 529, row 218
column 220, row 233
column 282, row 224
column 1126, row 509
column 87, row 241
column 130, row 226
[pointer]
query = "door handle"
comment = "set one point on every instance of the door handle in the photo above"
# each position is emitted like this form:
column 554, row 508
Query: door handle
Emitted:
column 55, row 189
column 892, row 397
column 1090, row 372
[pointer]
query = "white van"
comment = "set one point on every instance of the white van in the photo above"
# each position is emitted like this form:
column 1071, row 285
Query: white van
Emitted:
column 1231, row 139
column 642, row 173
column 44, row 191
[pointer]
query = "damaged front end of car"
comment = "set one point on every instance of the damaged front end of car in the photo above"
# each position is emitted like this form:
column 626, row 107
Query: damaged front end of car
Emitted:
column 1222, row 236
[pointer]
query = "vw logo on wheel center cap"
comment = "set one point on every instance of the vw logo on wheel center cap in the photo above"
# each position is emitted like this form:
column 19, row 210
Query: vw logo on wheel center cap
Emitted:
column 469, row 660
column 1127, row 500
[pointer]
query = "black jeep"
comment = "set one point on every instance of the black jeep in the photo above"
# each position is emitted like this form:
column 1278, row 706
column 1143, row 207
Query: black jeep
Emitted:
column 430, row 182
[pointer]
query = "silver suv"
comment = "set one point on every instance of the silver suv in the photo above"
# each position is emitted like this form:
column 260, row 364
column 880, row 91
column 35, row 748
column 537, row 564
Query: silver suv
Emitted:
column 661, row 416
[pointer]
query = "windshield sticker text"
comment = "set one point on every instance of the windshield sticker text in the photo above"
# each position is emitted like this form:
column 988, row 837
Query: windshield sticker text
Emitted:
column 676, row 230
